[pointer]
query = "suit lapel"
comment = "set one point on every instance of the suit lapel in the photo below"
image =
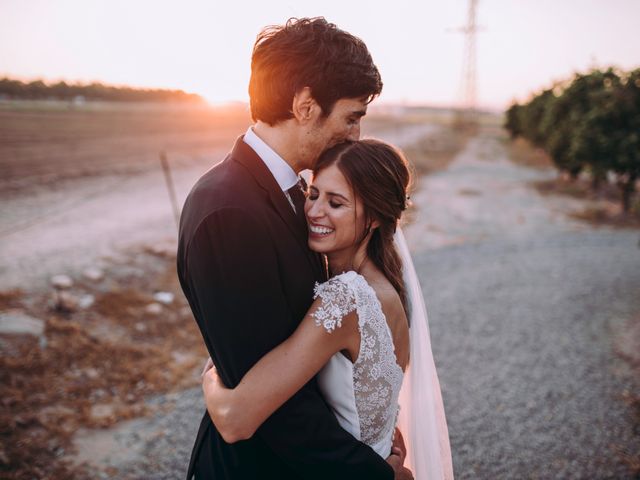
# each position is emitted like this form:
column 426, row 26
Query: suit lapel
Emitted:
column 245, row 155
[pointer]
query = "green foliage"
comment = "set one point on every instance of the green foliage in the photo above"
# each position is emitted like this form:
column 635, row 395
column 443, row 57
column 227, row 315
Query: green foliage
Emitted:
column 591, row 123
column 513, row 124
column 556, row 126
column 533, row 114
column 38, row 90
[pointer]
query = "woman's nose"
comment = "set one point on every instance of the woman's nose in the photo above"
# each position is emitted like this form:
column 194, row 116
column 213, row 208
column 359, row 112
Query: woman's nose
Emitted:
column 313, row 209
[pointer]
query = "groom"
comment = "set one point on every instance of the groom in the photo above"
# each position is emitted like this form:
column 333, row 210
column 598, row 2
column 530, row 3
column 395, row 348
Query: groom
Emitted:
column 243, row 260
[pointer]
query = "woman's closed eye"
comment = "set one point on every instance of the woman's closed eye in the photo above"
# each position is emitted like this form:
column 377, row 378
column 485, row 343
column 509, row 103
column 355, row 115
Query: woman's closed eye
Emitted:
column 334, row 200
column 314, row 196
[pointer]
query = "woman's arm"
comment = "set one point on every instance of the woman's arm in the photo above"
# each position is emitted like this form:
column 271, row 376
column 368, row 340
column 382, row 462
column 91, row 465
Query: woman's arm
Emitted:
column 237, row 413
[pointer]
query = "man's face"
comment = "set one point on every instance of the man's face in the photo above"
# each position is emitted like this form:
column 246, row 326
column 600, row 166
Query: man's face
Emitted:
column 343, row 123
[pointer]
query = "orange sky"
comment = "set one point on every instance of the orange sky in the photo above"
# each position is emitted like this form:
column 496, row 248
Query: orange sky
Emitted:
column 203, row 46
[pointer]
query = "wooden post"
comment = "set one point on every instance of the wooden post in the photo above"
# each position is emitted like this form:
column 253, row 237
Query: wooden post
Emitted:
column 170, row 189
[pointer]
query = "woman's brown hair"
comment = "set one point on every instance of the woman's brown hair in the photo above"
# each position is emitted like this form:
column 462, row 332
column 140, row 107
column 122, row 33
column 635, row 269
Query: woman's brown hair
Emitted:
column 380, row 177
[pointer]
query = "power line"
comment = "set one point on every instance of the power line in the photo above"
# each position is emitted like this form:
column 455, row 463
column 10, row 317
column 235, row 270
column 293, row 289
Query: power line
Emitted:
column 468, row 84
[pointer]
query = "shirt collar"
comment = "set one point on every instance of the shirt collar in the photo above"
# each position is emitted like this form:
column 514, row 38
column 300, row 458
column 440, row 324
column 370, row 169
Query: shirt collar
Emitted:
column 281, row 170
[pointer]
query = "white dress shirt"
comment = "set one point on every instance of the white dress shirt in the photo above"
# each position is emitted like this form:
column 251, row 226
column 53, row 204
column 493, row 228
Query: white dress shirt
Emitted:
column 281, row 170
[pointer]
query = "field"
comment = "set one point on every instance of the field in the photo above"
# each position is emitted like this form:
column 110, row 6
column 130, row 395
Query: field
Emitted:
column 45, row 144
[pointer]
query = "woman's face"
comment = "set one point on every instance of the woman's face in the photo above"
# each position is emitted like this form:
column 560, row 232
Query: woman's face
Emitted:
column 334, row 214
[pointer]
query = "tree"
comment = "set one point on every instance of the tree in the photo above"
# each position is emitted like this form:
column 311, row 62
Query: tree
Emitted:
column 96, row 91
column 556, row 131
column 513, row 122
column 533, row 114
column 626, row 162
column 594, row 126
column 592, row 122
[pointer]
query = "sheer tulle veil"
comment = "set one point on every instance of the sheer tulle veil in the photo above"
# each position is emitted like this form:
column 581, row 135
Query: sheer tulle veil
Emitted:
column 422, row 419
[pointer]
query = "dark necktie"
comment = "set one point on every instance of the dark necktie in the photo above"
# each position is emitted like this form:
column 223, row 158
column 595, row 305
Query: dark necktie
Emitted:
column 297, row 197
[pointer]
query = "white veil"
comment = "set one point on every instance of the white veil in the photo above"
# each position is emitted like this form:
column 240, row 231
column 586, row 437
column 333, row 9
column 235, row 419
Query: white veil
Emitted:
column 421, row 419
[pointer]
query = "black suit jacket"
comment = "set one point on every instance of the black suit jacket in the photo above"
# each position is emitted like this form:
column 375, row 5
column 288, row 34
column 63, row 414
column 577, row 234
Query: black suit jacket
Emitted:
column 246, row 270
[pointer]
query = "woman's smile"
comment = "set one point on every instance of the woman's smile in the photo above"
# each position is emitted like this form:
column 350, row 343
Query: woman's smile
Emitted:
column 319, row 230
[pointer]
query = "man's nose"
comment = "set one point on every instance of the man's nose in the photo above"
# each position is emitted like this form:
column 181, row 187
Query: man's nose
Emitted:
column 354, row 133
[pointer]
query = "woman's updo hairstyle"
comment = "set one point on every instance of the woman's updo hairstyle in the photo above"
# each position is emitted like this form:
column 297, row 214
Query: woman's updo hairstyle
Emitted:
column 379, row 175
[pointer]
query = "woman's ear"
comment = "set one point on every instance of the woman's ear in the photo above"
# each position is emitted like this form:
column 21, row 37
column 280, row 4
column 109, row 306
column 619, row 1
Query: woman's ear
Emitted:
column 374, row 224
column 304, row 106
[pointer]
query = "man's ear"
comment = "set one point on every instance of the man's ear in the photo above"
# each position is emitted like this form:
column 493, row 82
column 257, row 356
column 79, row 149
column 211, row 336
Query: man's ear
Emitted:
column 304, row 107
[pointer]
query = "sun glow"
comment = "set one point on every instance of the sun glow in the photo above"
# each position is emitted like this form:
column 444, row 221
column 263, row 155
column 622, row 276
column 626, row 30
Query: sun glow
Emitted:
column 204, row 47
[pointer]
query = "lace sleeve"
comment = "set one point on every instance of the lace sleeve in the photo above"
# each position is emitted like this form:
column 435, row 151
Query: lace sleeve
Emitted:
column 337, row 301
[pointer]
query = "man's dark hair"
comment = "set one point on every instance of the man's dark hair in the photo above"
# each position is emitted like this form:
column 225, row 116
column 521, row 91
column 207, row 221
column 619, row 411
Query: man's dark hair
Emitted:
column 308, row 52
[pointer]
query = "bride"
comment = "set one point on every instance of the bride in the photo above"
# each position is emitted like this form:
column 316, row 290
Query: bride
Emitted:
column 366, row 333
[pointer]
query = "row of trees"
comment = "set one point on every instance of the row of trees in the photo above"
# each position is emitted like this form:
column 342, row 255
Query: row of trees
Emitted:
column 38, row 90
column 589, row 123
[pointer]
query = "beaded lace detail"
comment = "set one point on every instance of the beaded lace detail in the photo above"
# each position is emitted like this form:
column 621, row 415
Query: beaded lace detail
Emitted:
column 377, row 377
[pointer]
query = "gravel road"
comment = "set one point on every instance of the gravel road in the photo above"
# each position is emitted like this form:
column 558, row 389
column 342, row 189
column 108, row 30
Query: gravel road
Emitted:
column 523, row 333
column 525, row 308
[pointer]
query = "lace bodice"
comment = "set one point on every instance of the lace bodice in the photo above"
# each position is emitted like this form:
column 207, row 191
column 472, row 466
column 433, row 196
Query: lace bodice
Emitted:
column 376, row 376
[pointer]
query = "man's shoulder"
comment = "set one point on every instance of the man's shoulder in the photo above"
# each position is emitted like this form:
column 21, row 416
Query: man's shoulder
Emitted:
column 227, row 183
column 228, row 189
column 222, row 174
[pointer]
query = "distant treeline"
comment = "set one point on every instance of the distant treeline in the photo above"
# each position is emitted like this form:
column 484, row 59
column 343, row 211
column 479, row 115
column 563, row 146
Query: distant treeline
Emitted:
column 38, row 90
column 589, row 123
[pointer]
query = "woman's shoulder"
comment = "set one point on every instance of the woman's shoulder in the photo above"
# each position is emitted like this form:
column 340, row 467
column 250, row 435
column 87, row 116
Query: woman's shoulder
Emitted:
column 387, row 296
column 335, row 300
column 346, row 288
column 382, row 287
column 351, row 283
column 343, row 284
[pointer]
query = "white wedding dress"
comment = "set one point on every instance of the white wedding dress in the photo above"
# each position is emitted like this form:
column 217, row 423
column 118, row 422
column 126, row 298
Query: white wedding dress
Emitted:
column 365, row 395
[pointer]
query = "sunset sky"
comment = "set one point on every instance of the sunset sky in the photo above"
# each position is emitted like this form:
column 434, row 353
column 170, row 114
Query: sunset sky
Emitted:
column 204, row 46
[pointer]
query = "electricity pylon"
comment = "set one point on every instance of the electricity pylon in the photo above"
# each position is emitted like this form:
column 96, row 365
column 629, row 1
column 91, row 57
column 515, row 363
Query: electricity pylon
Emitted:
column 468, row 86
